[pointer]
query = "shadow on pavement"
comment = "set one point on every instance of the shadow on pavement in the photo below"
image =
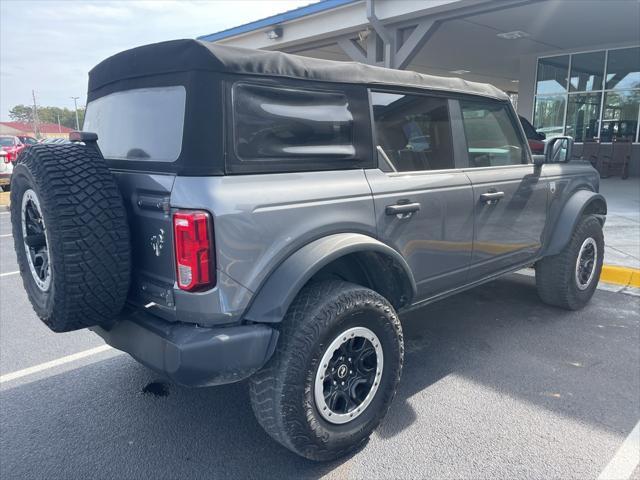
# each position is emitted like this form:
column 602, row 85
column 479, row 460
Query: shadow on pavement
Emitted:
column 578, row 364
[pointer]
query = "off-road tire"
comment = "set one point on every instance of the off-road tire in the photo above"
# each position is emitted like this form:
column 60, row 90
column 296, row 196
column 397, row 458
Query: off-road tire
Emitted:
column 87, row 235
column 555, row 275
column 282, row 393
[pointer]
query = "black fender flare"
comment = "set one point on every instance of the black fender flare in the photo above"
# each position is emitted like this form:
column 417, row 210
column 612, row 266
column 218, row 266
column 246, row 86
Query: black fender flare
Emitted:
column 580, row 203
column 276, row 294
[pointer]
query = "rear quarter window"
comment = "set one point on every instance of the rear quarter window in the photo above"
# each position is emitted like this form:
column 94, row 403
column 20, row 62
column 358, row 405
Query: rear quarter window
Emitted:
column 140, row 124
column 280, row 128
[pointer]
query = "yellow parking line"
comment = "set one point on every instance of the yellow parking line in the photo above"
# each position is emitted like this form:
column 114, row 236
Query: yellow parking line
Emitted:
column 629, row 277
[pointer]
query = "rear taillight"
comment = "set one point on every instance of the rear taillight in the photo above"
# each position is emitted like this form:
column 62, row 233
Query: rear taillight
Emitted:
column 195, row 261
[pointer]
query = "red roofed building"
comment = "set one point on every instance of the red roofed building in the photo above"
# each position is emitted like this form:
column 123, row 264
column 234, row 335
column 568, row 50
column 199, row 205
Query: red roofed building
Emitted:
column 46, row 129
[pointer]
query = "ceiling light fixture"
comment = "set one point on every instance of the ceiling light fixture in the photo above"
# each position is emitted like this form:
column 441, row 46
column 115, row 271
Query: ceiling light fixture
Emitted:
column 274, row 33
column 516, row 34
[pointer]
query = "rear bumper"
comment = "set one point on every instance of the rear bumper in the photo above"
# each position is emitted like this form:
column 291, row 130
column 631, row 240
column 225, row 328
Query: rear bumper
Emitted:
column 190, row 355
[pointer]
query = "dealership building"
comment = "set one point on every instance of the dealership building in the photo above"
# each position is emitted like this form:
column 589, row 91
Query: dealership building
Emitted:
column 571, row 67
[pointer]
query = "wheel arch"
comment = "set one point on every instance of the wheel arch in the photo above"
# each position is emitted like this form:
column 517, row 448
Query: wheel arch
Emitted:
column 582, row 202
column 353, row 257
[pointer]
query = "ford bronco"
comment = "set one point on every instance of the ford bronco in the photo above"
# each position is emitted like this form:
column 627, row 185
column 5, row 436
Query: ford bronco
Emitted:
column 230, row 214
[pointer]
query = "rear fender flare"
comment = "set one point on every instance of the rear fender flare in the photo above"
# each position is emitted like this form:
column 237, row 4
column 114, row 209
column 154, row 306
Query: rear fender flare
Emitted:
column 276, row 294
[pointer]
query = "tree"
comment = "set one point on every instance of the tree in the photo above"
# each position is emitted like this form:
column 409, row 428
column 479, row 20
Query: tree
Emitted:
column 21, row 113
column 24, row 113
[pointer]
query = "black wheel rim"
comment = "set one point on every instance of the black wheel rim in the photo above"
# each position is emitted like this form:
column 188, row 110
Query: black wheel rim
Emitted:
column 34, row 234
column 586, row 263
column 348, row 375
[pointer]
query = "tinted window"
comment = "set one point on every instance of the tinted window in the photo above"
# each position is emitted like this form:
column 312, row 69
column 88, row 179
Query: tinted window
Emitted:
column 583, row 113
column 28, row 140
column 620, row 115
column 552, row 75
column 7, row 142
column 413, row 131
column 142, row 124
column 492, row 138
column 286, row 123
column 529, row 131
column 548, row 117
column 586, row 71
column 623, row 69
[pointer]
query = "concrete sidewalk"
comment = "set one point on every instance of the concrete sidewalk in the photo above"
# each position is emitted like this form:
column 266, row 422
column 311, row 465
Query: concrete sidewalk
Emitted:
column 622, row 229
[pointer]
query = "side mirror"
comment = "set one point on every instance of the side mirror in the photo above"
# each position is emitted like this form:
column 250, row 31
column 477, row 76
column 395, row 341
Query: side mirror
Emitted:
column 542, row 136
column 558, row 150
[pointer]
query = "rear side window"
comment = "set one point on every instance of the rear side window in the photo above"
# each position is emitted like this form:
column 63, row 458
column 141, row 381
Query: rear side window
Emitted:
column 273, row 123
column 413, row 131
column 492, row 138
column 141, row 124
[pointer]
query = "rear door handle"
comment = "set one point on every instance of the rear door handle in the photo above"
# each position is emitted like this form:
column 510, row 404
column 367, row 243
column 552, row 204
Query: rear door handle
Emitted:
column 491, row 198
column 402, row 208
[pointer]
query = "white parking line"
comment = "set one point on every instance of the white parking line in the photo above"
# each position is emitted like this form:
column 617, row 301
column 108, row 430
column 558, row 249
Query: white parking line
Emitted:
column 5, row 213
column 53, row 363
column 9, row 273
column 626, row 459
column 6, row 235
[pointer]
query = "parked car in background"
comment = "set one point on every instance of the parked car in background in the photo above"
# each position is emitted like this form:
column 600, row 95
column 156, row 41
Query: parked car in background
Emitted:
column 12, row 145
column 534, row 138
column 6, row 169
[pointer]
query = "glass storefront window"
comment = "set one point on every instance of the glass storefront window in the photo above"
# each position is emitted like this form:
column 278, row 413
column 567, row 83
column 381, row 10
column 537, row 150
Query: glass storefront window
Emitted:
column 589, row 95
column 583, row 113
column 552, row 75
column 623, row 69
column 586, row 72
column 549, row 115
column 620, row 115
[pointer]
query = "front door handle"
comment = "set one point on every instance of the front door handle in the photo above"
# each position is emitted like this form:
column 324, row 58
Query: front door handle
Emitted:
column 402, row 209
column 491, row 198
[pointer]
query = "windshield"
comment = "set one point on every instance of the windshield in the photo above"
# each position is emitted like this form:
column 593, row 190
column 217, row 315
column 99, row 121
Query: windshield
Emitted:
column 529, row 131
column 28, row 140
column 142, row 124
column 6, row 142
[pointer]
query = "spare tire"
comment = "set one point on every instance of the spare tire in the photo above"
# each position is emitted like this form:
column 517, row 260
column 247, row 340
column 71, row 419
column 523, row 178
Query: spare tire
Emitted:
column 71, row 236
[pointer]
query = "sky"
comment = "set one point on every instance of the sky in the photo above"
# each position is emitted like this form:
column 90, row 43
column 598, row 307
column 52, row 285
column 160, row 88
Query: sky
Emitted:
column 49, row 45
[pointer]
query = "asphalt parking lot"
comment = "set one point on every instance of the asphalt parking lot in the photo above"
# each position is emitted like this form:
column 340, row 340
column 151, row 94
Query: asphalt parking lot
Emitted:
column 495, row 385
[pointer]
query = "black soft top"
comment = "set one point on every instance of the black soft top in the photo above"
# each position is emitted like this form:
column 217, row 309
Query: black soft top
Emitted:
column 192, row 55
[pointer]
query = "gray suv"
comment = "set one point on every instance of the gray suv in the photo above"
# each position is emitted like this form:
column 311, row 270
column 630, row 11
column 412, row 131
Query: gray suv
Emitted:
column 231, row 214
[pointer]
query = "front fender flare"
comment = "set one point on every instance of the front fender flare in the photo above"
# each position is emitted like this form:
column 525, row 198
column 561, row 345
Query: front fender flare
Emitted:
column 581, row 202
column 274, row 297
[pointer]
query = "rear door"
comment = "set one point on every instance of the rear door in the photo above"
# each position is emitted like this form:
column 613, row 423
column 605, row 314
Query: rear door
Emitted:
column 423, row 204
column 509, row 193
column 147, row 203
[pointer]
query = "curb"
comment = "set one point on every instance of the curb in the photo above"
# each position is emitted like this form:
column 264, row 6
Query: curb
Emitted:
column 625, row 276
